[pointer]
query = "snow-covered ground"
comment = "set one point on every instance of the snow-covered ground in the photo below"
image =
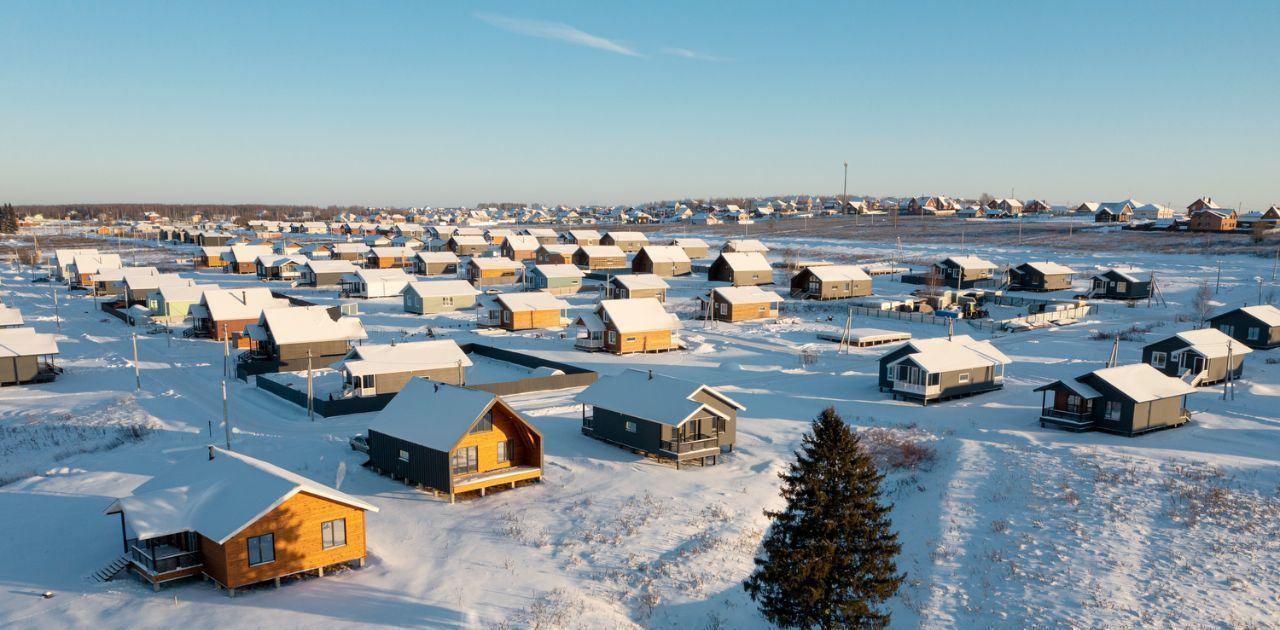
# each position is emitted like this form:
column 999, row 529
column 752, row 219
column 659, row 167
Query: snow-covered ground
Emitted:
column 1008, row 524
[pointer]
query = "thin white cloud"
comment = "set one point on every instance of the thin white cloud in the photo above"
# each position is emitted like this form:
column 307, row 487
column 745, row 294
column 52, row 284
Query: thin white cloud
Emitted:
column 685, row 53
column 556, row 31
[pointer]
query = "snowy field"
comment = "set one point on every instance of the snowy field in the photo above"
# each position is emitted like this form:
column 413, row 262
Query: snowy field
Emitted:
column 1003, row 523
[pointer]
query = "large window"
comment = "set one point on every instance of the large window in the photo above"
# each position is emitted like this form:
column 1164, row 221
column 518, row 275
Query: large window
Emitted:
column 484, row 424
column 1252, row 334
column 333, row 533
column 262, row 549
column 1227, row 329
column 1113, row 410
column 1158, row 359
column 506, row 450
column 465, row 461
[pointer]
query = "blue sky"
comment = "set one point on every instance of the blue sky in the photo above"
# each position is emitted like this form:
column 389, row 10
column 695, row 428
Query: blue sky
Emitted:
column 413, row 103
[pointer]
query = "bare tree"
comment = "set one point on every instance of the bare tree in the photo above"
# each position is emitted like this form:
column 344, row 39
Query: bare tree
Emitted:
column 1202, row 302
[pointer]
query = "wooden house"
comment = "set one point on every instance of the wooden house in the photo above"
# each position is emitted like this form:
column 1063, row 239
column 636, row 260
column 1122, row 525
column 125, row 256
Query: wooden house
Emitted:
column 741, row 269
column 1203, row 203
column 1129, row 400
column 464, row 245
column 555, row 279
column 963, row 272
column 63, row 259
column 172, row 303
column 375, row 241
column 224, row 313
column 1256, row 326
column 317, row 251
column 300, row 336
column 498, row 236
column 26, row 356
column 600, row 257
column 555, row 254
column 740, row 304
column 138, row 286
column 454, row 440
column 354, row 253
column 660, row 415
column 244, row 258
column 390, row 257
column 1120, row 285
column 1212, row 221
column 279, row 267
column 375, row 283
column 211, row 257
column 662, row 260
column 381, row 369
column 637, row 285
column 84, row 266
column 520, row 247
column 237, row 521
column 628, row 326
column 521, row 311
column 582, row 238
column 493, row 271
column 1199, row 357
column 10, row 317
column 1040, row 276
column 830, row 282
column 628, row 242
column 436, row 264
column 928, row 370
column 110, row 283
column 439, row 296
column 744, row 246
column 324, row 273
column 545, row 236
column 694, row 248
column 1114, row 212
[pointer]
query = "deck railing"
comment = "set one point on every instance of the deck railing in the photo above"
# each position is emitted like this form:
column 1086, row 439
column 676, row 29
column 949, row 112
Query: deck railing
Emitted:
column 689, row 445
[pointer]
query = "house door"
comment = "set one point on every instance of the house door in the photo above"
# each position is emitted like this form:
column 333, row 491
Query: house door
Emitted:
column 1196, row 363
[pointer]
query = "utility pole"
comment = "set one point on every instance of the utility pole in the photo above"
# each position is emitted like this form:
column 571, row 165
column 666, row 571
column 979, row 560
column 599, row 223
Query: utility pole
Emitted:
column 226, row 351
column 226, row 422
column 137, row 373
column 1218, row 284
column 311, row 407
column 1275, row 263
column 57, row 319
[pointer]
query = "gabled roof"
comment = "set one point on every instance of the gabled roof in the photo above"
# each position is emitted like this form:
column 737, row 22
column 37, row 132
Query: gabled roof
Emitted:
column 939, row 359
column 469, row 239
column 330, row 266
column 350, row 248
column 1265, row 313
column 665, row 253
column 635, row 281
column 970, row 262
column 838, row 273
column 558, row 271
column 1212, row 343
column 248, row 253
column 534, row 301
column 637, row 315
column 627, row 236
column 689, row 242
column 434, row 415
column 495, row 263
column 91, row 263
column 1127, row 276
column 441, row 288
column 655, row 397
column 10, row 316
column 1080, row 389
column 310, row 324
column 746, row 261
column 404, row 357
column 438, row 257
column 564, row 250
column 602, row 251
column 942, row 344
column 392, row 252
column 218, row 498
column 583, row 235
column 26, row 342
column 522, row 243
column 247, row 303
column 1142, row 383
column 745, row 245
column 1049, row 268
column 744, row 295
column 392, row 274
column 183, row 293
column 543, row 232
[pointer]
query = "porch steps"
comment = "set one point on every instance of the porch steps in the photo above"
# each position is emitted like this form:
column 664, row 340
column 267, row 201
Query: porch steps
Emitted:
column 109, row 572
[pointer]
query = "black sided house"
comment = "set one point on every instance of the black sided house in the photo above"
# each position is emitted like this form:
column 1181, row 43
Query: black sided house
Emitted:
column 1256, row 326
column 1199, row 357
column 1129, row 400
column 1114, row 284
column 658, row 415
column 1040, row 276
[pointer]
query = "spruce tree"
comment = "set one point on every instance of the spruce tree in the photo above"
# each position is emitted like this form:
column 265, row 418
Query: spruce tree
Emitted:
column 8, row 219
column 828, row 559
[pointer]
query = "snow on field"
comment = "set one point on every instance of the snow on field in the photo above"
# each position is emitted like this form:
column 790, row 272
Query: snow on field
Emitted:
column 1004, row 524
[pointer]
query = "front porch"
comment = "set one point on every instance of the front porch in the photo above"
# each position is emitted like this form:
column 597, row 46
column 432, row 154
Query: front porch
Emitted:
column 166, row 558
column 482, row 481
column 1071, row 420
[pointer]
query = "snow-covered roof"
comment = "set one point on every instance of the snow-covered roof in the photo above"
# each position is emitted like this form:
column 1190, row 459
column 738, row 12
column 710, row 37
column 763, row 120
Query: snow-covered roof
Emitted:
column 745, row 245
column 404, row 357
column 1265, row 313
column 1212, row 343
column 543, row 232
column 603, row 251
column 637, row 315
column 559, row 271
column 1049, row 268
column 495, row 263
column 656, row 397
column 534, row 301
column 392, row 252
column 665, row 253
column 247, row 303
column 1127, row 275
column 584, row 235
column 382, row 275
column 438, row 257
column 744, row 295
column 26, row 342
column 350, row 248
column 638, row 281
column 936, row 359
column 627, row 236
column 430, row 414
column 1143, row 383
column 689, row 242
column 311, row 324
column 522, row 243
column 219, row 497
column 838, row 273
column 970, row 262
column 746, row 261
column 469, row 239
column 248, row 253
column 330, row 266
column 183, row 293
column 10, row 316
column 154, row 281
column 442, row 288
column 91, row 263
column 942, row 344
column 118, row 274
column 564, row 250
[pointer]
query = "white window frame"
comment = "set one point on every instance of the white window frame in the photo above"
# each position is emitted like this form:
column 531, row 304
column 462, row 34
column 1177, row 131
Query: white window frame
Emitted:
column 1159, row 359
column 963, row 378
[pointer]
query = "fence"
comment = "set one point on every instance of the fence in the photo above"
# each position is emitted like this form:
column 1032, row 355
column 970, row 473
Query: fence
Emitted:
column 923, row 318
column 117, row 313
column 573, row 376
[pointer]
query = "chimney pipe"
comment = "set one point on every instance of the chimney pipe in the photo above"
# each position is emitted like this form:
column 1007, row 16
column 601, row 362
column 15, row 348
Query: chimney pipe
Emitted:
column 651, row 375
column 210, row 452
column 437, row 386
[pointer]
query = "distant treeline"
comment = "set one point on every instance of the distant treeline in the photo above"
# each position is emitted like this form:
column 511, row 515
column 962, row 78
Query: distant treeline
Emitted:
column 183, row 211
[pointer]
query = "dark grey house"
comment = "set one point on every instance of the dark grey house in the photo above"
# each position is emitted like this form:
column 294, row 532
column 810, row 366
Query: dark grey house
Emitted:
column 1120, row 285
column 1199, row 357
column 1129, row 400
column 324, row 273
column 1040, row 276
column 1256, row 326
column 289, row 339
column 658, row 415
column 928, row 370
column 453, row 440
column 964, row 272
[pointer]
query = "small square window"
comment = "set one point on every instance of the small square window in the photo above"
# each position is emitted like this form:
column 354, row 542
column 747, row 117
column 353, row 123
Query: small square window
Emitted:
column 1159, row 359
column 630, row 426
column 964, row 377
column 404, row 456
column 333, row 533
